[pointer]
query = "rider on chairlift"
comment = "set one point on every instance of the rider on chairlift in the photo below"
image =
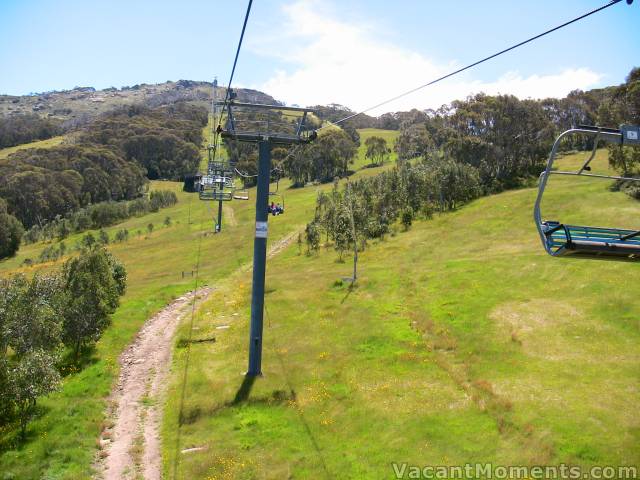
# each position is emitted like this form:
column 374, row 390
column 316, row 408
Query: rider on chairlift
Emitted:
column 274, row 209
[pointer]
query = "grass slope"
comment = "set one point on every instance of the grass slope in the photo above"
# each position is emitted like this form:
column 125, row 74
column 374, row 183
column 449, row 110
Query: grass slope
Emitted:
column 50, row 142
column 463, row 342
column 61, row 441
column 389, row 135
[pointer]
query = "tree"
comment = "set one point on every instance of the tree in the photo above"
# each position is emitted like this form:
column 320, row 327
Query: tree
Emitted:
column 312, row 234
column 150, row 228
column 31, row 312
column 33, row 376
column 342, row 232
column 29, row 339
column 63, row 228
column 103, row 237
column 377, row 150
column 324, row 159
column 167, row 221
column 88, row 241
column 122, row 235
column 11, row 232
column 93, row 284
column 407, row 218
column 6, row 399
column 25, row 128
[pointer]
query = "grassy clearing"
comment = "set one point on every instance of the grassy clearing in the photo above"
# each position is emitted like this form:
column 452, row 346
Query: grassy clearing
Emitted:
column 50, row 142
column 389, row 135
column 61, row 442
column 463, row 342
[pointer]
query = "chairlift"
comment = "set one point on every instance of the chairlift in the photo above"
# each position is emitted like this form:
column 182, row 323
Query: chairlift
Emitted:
column 560, row 239
column 281, row 210
column 218, row 184
column 265, row 125
column 241, row 194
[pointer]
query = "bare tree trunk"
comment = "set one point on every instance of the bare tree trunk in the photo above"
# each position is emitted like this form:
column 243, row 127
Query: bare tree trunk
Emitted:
column 353, row 232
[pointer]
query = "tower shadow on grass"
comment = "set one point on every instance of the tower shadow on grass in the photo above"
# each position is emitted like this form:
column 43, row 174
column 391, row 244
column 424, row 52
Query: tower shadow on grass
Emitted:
column 245, row 389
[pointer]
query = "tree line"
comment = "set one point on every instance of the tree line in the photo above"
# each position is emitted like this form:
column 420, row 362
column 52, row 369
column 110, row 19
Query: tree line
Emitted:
column 625, row 108
column 368, row 208
column 100, row 215
column 327, row 157
column 111, row 160
column 47, row 316
column 472, row 147
column 27, row 127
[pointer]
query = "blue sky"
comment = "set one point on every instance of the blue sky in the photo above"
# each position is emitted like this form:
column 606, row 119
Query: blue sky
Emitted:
column 354, row 52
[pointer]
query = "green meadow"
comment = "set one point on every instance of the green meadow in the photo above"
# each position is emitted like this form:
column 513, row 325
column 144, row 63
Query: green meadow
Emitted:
column 462, row 341
column 62, row 440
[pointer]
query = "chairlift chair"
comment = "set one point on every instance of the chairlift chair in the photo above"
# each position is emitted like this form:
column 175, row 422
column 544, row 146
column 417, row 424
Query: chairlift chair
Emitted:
column 281, row 202
column 241, row 194
column 216, row 187
column 253, row 122
column 560, row 239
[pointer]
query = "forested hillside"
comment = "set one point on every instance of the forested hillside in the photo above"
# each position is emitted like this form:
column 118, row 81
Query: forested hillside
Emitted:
column 109, row 160
column 25, row 128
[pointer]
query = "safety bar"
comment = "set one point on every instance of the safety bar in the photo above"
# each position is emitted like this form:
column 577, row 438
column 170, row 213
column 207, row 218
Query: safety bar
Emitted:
column 596, row 175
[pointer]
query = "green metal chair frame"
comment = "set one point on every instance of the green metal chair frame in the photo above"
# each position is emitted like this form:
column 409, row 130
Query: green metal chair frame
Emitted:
column 559, row 239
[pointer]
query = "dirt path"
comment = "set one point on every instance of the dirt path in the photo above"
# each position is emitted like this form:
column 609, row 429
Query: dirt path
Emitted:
column 131, row 443
column 229, row 215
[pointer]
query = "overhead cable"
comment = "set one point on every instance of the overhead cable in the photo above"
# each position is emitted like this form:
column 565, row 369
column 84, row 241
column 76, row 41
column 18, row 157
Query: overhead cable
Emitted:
column 513, row 47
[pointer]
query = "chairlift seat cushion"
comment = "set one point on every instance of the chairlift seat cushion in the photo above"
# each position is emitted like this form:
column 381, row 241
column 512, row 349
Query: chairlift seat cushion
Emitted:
column 591, row 241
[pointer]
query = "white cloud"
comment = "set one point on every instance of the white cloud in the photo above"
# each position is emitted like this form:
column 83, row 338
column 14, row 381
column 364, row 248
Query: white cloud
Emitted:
column 332, row 61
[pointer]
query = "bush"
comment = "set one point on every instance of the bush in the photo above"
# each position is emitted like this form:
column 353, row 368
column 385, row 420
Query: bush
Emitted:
column 407, row 218
column 93, row 284
column 37, row 315
column 312, row 233
column 11, row 232
column 33, row 376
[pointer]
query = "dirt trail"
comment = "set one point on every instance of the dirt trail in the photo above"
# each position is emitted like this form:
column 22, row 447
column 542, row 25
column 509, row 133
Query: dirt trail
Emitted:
column 229, row 215
column 130, row 445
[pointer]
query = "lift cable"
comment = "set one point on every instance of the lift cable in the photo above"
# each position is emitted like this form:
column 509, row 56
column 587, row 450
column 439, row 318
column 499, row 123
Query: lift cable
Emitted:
column 513, row 47
column 233, row 71
column 198, row 256
column 235, row 61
